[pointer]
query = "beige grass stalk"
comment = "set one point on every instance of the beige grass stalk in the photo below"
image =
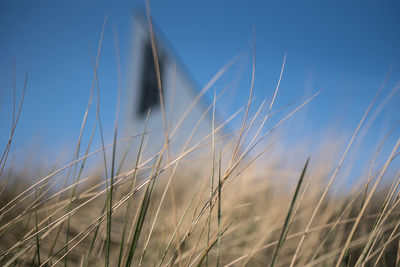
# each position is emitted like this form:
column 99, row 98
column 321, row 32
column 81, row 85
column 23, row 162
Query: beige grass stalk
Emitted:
column 270, row 106
column 84, row 120
column 391, row 238
column 205, row 250
column 77, row 178
column 341, row 216
column 89, row 230
column 22, row 196
column 110, row 192
column 376, row 156
column 299, row 234
column 379, row 224
column 205, row 89
column 199, row 238
column 350, row 236
column 122, row 252
column 212, row 173
column 262, row 240
column 35, row 205
column 334, row 175
column 14, row 123
column 379, row 108
column 176, row 229
column 235, row 150
column 212, row 81
column 49, row 227
column 251, row 146
column 354, row 244
column 176, row 164
column 102, row 217
column 163, row 112
column 197, row 219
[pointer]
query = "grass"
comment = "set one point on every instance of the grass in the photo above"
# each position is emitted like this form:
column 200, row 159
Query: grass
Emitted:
column 225, row 210
column 249, row 220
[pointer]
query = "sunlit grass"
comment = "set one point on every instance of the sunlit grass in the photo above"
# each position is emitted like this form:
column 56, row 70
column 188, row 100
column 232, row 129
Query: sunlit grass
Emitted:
column 210, row 203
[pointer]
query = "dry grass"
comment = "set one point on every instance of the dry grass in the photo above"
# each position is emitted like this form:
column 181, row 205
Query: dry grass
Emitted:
column 174, row 219
column 223, row 210
column 254, row 204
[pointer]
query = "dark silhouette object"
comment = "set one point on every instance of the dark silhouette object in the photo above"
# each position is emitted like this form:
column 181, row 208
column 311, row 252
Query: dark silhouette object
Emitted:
column 149, row 95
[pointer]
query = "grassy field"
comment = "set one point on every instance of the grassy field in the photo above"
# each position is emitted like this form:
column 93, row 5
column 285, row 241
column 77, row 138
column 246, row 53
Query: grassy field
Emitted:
column 177, row 212
column 224, row 210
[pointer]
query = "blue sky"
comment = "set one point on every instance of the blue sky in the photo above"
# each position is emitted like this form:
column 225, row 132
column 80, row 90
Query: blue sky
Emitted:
column 345, row 47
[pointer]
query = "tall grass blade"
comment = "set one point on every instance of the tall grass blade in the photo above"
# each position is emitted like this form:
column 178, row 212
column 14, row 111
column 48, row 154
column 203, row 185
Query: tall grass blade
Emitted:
column 212, row 174
column 37, row 238
column 6, row 151
column 110, row 198
column 286, row 225
column 143, row 211
column 219, row 203
column 238, row 142
column 335, row 173
column 175, row 231
column 210, row 246
column 378, row 180
column 128, row 208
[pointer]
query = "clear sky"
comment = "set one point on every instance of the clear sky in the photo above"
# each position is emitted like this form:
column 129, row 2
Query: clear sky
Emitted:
column 345, row 47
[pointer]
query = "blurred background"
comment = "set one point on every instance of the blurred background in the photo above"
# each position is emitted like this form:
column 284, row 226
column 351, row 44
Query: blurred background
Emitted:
column 345, row 48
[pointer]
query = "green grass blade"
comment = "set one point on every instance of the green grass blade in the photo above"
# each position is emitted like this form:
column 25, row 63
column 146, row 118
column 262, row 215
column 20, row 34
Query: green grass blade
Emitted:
column 286, row 225
column 128, row 208
column 207, row 249
column 175, row 231
column 143, row 212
